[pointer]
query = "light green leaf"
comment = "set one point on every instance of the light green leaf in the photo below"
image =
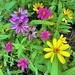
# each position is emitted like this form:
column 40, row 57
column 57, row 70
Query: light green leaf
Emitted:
column 33, row 55
column 59, row 7
column 70, row 71
column 54, row 69
column 1, row 73
column 2, row 37
column 10, row 5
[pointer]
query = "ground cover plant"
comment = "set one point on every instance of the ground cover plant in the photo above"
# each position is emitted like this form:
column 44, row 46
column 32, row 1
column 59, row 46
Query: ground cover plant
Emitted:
column 34, row 37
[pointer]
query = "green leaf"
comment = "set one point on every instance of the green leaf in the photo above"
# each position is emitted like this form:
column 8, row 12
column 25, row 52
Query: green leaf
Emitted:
column 59, row 19
column 36, row 22
column 16, row 72
column 56, row 35
column 31, row 66
column 41, row 68
column 49, row 66
column 24, row 2
column 37, row 47
column 24, row 39
column 59, row 7
column 1, row 73
column 8, row 71
column 10, row 5
column 70, row 71
column 64, row 30
column 33, row 55
column 2, row 37
column 64, row 26
column 54, row 69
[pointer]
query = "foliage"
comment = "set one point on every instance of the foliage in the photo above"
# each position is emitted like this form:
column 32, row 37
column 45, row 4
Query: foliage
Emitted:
column 33, row 50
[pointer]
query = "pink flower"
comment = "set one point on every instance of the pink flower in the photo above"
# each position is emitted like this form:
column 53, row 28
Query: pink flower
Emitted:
column 19, row 26
column 8, row 46
column 45, row 34
column 44, row 13
column 19, row 15
column 23, row 63
column 31, row 32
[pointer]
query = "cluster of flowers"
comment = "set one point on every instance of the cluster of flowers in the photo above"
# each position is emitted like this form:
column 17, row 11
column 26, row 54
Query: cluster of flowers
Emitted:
column 57, row 47
column 19, row 21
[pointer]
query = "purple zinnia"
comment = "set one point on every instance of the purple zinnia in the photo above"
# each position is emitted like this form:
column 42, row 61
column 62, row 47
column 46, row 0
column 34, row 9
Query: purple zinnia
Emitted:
column 19, row 15
column 23, row 63
column 45, row 35
column 19, row 26
column 31, row 32
column 8, row 46
column 44, row 13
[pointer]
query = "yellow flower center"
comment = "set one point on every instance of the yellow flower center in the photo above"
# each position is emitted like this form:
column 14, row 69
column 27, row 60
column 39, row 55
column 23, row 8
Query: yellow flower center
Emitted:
column 56, row 50
column 18, row 13
column 44, row 13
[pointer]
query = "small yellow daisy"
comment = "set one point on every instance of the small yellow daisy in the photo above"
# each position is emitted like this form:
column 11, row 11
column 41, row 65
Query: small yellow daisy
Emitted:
column 37, row 6
column 68, row 13
column 57, row 48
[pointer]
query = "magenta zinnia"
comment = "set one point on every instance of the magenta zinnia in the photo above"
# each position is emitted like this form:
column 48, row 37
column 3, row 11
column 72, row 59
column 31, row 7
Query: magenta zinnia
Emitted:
column 45, row 35
column 44, row 13
column 23, row 63
column 8, row 46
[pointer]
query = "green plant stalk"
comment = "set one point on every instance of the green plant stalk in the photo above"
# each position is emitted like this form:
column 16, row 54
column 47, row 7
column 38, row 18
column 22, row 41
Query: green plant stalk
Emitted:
column 54, row 69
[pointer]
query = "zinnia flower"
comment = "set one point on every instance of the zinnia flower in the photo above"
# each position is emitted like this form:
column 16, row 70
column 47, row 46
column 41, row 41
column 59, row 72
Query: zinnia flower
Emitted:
column 63, row 39
column 8, row 46
column 58, row 49
column 37, row 6
column 31, row 32
column 19, row 26
column 19, row 15
column 68, row 13
column 44, row 13
column 45, row 35
column 23, row 63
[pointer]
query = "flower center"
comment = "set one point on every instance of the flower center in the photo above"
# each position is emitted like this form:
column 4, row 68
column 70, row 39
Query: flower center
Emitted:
column 19, row 23
column 45, row 35
column 8, row 46
column 44, row 13
column 56, row 50
column 30, row 32
column 23, row 63
column 18, row 13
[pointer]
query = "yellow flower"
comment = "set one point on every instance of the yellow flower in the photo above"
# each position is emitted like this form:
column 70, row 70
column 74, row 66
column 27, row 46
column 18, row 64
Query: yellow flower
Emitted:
column 64, row 19
column 37, row 6
column 68, row 13
column 63, row 39
column 50, row 17
column 58, row 49
column 52, row 23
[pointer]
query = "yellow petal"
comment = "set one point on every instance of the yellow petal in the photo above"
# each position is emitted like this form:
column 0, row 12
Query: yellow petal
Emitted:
column 59, row 43
column 49, row 44
column 47, row 49
column 52, row 57
column 48, row 55
column 65, row 53
column 54, row 43
column 61, row 58
column 64, row 47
